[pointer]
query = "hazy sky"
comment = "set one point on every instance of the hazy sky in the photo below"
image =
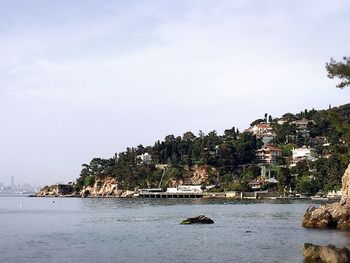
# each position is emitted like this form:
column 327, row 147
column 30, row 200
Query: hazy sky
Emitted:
column 84, row 79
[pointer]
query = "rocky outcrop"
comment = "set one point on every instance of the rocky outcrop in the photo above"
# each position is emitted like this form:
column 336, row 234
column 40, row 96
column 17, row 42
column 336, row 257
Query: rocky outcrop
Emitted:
column 197, row 220
column 194, row 175
column 331, row 254
column 56, row 190
column 106, row 187
column 334, row 215
column 128, row 194
column 345, row 190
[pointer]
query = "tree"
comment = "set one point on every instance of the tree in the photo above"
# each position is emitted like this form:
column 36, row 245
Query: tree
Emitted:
column 270, row 119
column 341, row 70
column 284, row 177
column 258, row 121
column 188, row 136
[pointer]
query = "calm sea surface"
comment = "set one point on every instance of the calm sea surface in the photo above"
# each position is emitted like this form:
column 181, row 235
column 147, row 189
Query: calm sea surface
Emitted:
column 148, row 230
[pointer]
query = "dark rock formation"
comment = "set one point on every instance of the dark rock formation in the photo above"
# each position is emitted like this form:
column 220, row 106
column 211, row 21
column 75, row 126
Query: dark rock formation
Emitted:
column 331, row 254
column 197, row 220
column 334, row 215
column 56, row 190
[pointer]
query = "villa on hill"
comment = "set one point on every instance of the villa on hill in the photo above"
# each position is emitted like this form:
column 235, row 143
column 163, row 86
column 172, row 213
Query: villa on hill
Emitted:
column 268, row 154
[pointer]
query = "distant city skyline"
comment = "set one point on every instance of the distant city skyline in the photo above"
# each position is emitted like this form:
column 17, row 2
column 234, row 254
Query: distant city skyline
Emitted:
column 85, row 79
column 11, row 187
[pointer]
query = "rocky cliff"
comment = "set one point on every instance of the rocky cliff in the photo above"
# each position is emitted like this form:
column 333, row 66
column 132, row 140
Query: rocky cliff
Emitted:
column 334, row 215
column 106, row 187
column 55, row 191
column 195, row 175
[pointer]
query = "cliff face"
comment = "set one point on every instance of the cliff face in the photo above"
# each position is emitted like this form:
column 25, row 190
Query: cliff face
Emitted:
column 107, row 187
column 55, row 190
column 194, row 175
column 334, row 215
column 345, row 190
column 200, row 174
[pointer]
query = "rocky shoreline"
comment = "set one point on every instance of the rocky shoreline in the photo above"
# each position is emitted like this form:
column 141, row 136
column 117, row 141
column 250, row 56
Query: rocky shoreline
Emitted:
column 333, row 215
column 329, row 253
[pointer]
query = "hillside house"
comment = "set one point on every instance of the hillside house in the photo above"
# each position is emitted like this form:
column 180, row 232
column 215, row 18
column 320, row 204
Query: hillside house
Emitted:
column 261, row 128
column 318, row 140
column 262, row 131
column 303, row 153
column 301, row 124
column 302, row 127
column 145, row 158
column 256, row 184
column 268, row 154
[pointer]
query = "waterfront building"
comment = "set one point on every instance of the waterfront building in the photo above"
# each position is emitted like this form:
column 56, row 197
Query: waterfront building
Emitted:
column 256, row 184
column 185, row 189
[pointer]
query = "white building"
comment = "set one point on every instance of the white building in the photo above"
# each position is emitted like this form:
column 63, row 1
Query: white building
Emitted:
column 304, row 153
column 145, row 158
column 261, row 128
column 186, row 189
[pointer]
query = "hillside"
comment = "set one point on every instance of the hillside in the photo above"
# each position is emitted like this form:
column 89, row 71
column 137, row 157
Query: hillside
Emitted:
column 305, row 152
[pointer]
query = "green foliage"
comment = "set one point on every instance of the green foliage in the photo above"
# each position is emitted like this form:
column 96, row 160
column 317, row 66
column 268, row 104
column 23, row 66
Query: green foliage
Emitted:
column 258, row 121
column 236, row 186
column 307, row 186
column 268, row 186
column 283, row 177
column 341, row 70
column 89, row 181
column 250, row 172
column 285, row 133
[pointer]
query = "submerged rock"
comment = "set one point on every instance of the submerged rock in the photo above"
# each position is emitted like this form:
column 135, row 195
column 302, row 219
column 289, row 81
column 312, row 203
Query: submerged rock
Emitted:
column 197, row 220
column 334, row 215
column 329, row 253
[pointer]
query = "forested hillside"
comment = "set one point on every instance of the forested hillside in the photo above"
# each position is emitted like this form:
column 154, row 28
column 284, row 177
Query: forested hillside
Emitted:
column 231, row 160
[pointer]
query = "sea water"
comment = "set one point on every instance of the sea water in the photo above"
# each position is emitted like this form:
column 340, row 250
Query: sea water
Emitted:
column 148, row 230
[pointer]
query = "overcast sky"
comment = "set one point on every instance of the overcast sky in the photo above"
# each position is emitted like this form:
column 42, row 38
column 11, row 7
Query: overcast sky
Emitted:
column 84, row 79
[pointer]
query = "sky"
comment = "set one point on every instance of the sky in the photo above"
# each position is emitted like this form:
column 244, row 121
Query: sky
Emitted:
column 83, row 79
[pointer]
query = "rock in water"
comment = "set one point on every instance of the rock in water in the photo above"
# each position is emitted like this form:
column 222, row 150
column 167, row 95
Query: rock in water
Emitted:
column 332, row 254
column 197, row 220
column 334, row 215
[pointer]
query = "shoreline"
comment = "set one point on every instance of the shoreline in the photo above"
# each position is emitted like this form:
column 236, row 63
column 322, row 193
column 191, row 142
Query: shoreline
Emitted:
column 204, row 196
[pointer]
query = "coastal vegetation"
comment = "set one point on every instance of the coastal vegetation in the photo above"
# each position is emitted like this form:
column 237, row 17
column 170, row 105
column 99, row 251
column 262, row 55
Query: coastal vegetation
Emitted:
column 231, row 161
column 230, row 158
